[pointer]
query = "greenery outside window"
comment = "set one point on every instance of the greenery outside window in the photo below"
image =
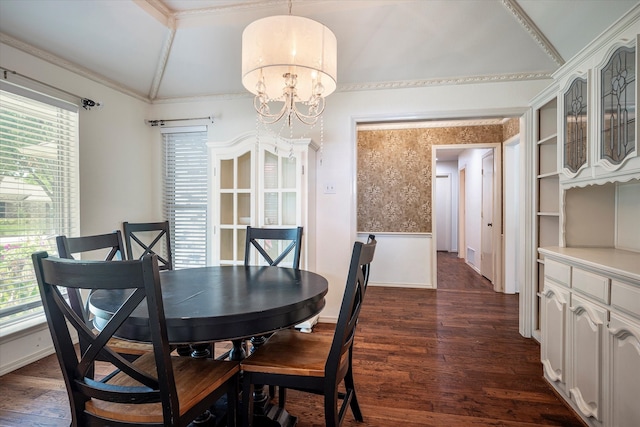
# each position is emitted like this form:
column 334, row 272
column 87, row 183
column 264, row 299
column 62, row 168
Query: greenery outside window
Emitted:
column 38, row 191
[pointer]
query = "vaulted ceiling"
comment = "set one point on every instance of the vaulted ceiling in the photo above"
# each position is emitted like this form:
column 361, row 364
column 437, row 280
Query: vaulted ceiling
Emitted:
column 180, row 49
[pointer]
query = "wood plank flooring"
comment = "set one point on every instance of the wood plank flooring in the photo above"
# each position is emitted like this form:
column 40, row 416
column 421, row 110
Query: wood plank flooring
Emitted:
column 446, row 358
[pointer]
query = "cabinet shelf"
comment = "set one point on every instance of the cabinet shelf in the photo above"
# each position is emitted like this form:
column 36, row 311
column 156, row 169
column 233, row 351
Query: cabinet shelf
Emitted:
column 549, row 175
column 551, row 139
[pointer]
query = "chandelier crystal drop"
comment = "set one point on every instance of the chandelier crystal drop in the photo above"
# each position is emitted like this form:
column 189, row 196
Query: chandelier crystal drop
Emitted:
column 290, row 64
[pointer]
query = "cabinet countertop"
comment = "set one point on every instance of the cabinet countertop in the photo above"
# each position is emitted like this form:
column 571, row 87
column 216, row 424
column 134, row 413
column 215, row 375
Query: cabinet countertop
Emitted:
column 616, row 262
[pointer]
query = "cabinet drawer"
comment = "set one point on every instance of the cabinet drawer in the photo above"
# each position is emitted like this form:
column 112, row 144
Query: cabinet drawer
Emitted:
column 591, row 284
column 558, row 272
column 626, row 297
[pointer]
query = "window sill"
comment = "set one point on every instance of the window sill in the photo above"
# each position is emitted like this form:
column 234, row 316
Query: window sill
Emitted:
column 23, row 328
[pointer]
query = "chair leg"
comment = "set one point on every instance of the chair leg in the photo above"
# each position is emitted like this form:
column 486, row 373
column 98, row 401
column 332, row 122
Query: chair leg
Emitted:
column 247, row 401
column 331, row 414
column 355, row 407
column 232, row 403
column 282, row 396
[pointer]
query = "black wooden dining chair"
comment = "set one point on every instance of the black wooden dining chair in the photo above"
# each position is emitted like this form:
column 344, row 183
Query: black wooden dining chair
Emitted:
column 314, row 362
column 154, row 238
column 156, row 389
column 142, row 238
column 275, row 245
column 110, row 248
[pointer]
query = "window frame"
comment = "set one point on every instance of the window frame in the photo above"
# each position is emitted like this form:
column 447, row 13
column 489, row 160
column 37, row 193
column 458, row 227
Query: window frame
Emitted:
column 54, row 153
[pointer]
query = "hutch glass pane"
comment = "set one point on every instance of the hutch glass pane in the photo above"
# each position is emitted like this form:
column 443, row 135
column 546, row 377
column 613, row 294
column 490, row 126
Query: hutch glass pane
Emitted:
column 244, row 208
column 226, row 208
column 226, row 174
column 575, row 113
column 226, row 244
column 270, row 170
column 288, row 208
column 618, row 114
column 289, row 172
column 244, row 171
column 271, row 209
column 242, row 237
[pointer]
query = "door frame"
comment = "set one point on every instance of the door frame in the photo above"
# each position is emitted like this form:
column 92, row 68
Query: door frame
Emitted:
column 514, row 231
column 497, row 208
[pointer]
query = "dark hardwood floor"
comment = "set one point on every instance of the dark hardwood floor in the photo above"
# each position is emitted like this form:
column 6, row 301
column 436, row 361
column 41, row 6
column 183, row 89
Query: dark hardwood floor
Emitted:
column 446, row 358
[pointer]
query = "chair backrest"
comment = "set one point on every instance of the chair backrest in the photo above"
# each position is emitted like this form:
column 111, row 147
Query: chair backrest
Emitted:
column 144, row 238
column 274, row 244
column 143, row 279
column 110, row 243
column 355, row 288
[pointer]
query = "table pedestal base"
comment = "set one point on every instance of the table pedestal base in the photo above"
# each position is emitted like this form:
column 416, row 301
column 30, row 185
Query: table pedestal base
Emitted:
column 275, row 416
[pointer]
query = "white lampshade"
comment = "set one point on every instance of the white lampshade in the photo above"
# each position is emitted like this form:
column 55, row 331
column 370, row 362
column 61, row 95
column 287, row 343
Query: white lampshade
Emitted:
column 276, row 45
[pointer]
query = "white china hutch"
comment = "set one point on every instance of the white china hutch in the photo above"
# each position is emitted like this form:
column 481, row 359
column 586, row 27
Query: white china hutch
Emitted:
column 262, row 181
column 587, row 231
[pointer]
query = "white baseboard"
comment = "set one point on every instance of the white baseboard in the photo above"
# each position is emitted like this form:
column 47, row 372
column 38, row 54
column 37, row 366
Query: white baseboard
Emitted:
column 24, row 361
column 403, row 285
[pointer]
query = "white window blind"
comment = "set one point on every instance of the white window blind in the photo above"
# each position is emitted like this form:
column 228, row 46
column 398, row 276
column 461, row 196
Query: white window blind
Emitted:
column 185, row 194
column 38, row 191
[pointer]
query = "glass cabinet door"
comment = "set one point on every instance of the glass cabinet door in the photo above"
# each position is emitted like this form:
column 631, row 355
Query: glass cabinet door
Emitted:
column 235, row 207
column 279, row 190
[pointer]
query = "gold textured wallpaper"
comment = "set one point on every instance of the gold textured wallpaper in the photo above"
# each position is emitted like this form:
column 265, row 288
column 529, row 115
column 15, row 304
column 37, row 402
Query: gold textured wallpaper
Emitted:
column 394, row 174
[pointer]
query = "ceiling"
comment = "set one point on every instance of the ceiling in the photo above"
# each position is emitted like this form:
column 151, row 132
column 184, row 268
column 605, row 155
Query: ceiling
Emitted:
column 159, row 50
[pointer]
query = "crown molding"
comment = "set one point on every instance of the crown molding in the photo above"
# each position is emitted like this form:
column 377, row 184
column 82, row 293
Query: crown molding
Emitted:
column 498, row 121
column 533, row 30
column 407, row 84
column 69, row 66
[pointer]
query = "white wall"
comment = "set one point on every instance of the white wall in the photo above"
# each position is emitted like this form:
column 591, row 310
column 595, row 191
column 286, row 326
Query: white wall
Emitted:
column 120, row 176
column 119, row 167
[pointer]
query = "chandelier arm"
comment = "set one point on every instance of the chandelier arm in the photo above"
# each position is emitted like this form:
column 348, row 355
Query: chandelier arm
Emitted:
column 265, row 117
column 310, row 119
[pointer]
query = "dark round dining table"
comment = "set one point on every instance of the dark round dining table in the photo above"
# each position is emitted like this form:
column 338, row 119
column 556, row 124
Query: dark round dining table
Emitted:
column 208, row 304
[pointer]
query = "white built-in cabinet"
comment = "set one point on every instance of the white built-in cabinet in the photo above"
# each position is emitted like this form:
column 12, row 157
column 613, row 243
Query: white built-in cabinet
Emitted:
column 587, row 232
column 590, row 348
column 262, row 182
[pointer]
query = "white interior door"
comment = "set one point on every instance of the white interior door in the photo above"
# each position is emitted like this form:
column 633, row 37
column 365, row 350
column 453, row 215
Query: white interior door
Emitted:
column 443, row 212
column 486, row 262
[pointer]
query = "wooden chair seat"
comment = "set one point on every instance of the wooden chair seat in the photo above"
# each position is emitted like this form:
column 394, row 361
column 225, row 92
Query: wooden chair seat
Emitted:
column 133, row 348
column 194, row 378
column 290, row 352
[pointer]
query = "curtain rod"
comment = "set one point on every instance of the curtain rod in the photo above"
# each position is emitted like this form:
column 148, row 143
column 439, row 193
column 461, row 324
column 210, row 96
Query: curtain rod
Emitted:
column 162, row 122
column 87, row 103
